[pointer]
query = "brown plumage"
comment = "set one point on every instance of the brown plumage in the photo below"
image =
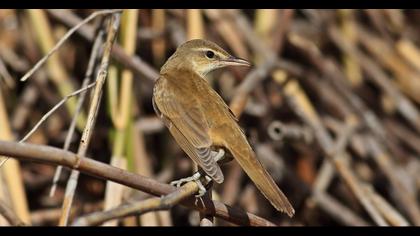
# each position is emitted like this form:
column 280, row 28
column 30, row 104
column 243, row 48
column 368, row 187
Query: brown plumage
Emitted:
column 199, row 119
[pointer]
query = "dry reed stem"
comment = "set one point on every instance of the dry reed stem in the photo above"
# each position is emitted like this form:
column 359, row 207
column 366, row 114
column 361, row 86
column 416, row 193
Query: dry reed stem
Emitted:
column 376, row 16
column 351, row 66
column 340, row 212
column 114, row 192
column 400, row 193
column 129, row 30
column 158, row 43
column 195, row 24
column 405, row 76
column 356, row 187
column 9, row 215
column 303, row 107
column 72, row 127
column 326, row 142
column 93, row 111
column 138, row 208
column 143, row 166
column 265, row 21
column 11, row 173
column 404, row 106
column 408, row 137
column 407, row 200
column 409, row 51
column 390, row 214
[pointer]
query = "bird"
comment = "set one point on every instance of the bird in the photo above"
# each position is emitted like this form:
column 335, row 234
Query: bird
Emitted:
column 201, row 122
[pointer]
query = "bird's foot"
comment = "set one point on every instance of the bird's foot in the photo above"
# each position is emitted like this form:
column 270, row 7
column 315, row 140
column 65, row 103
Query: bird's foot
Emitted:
column 196, row 177
column 178, row 183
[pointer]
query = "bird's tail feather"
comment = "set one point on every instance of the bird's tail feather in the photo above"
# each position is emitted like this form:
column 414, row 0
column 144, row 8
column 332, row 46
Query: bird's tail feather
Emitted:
column 245, row 156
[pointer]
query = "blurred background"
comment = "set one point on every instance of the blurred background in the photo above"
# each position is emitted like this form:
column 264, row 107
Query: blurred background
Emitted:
column 330, row 105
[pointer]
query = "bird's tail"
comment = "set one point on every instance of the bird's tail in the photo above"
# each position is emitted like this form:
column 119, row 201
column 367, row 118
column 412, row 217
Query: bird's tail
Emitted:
column 246, row 158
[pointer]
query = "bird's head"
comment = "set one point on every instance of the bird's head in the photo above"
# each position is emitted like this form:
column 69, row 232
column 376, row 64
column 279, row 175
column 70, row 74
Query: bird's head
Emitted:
column 202, row 56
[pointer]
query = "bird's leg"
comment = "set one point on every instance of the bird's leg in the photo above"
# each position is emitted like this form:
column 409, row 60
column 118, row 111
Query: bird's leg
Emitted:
column 196, row 177
column 179, row 182
column 221, row 157
column 218, row 155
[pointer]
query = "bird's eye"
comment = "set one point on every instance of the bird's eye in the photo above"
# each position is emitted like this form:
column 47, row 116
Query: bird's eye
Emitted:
column 209, row 54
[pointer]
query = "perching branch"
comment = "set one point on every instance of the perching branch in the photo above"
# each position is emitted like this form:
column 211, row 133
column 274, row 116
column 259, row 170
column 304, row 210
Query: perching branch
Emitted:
column 55, row 156
column 137, row 208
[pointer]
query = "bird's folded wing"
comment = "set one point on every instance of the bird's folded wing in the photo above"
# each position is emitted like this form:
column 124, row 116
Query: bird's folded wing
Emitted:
column 190, row 130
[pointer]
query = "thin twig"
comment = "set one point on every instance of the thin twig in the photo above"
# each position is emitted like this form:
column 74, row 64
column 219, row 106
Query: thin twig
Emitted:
column 48, row 114
column 64, row 38
column 134, row 63
column 44, row 117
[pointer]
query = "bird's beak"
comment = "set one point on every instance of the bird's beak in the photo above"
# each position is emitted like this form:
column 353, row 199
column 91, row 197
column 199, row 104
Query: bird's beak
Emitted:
column 233, row 61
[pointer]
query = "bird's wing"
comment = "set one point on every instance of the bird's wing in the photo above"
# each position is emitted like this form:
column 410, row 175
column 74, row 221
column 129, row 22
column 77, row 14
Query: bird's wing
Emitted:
column 190, row 130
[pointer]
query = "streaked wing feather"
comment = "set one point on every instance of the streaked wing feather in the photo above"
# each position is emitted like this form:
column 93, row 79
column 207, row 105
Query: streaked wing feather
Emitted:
column 189, row 128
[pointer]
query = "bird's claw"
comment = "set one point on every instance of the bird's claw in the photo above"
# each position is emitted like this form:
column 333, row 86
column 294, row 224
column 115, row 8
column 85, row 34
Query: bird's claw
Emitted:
column 219, row 155
column 196, row 178
column 201, row 189
column 177, row 183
